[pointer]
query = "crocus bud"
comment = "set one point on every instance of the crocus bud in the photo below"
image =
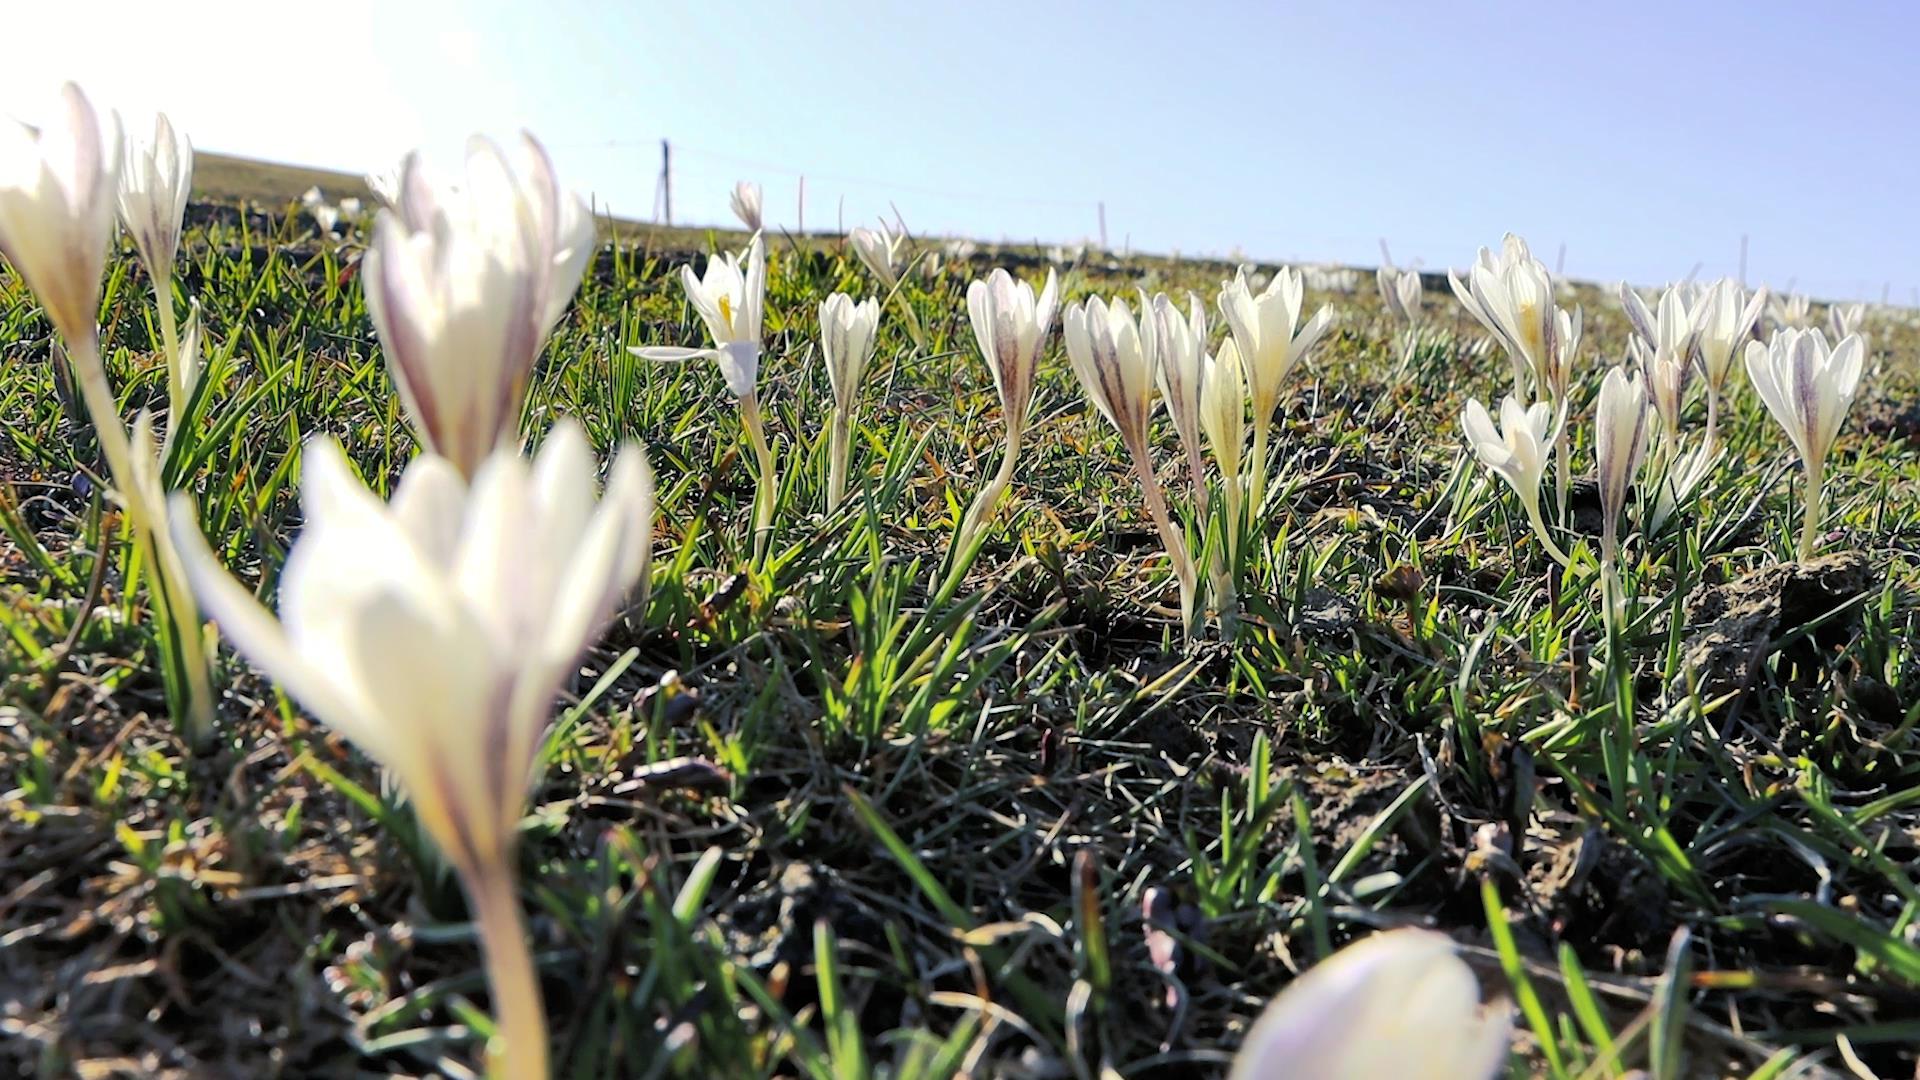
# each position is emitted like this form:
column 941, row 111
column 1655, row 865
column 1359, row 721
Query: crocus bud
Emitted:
column 730, row 299
column 882, row 251
column 1666, row 375
column 746, row 204
column 464, row 283
column 846, row 338
column 154, row 183
column 1620, row 443
column 58, row 188
column 1178, row 344
column 1224, row 410
column 1010, row 325
column 1375, row 1009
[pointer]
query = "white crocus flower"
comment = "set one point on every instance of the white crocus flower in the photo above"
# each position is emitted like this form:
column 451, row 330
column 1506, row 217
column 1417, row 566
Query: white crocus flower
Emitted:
column 154, row 183
column 58, row 190
column 1808, row 388
column 1516, row 451
column 1267, row 331
column 435, row 632
column 1844, row 319
column 1724, row 319
column 1223, row 415
column 746, row 203
column 1511, row 294
column 1400, row 291
column 1791, row 311
column 1667, row 376
column 464, row 283
column 1116, row 368
column 882, row 251
column 1398, row 1003
column 1179, row 347
column 1620, row 444
column 1010, row 326
column 847, row 332
column 730, row 299
column 1685, row 470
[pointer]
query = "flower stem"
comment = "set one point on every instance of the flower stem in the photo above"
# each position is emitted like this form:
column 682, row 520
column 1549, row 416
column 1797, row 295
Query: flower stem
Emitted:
column 1257, row 482
column 837, row 452
column 519, row 1049
column 1170, row 534
column 170, row 341
column 967, row 538
column 768, row 489
column 1810, row 527
column 1562, row 479
column 1540, row 530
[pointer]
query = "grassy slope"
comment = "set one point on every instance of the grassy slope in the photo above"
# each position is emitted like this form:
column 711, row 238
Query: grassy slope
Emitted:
column 1055, row 759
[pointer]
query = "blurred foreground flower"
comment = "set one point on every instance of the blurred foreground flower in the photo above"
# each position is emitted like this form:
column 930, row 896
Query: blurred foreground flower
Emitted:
column 1010, row 325
column 1116, row 369
column 58, row 192
column 1267, row 332
column 847, row 333
column 1808, row 389
column 464, row 283
column 1516, row 452
column 435, row 632
column 1398, row 1003
column 731, row 299
column 746, row 204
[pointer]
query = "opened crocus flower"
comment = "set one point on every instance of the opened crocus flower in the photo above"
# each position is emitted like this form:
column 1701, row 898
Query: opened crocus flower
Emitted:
column 153, row 204
column 1178, row 345
column 464, row 283
column 1516, row 451
column 1115, row 367
column 1808, row 388
column 746, row 204
column 1724, row 320
column 1267, row 332
column 730, row 300
column 1620, row 444
column 435, row 632
column 847, row 333
column 1511, row 294
column 1400, row 292
column 1397, row 1003
column 1010, row 325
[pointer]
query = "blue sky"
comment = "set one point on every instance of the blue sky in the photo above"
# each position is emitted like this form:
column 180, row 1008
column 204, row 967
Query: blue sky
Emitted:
column 1645, row 137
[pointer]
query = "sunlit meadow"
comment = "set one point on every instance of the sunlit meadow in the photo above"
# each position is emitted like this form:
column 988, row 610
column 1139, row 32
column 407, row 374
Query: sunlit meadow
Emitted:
column 448, row 633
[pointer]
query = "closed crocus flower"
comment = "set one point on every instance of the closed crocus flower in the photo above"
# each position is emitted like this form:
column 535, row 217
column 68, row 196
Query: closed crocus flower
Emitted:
column 58, row 190
column 435, row 632
column 1400, row 292
column 746, row 204
column 1179, row 346
column 1511, row 294
column 1266, row 330
column 1666, row 375
column 1116, row 368
column 1620, row 443
column 1845, row 319
column 1397, row 1004
column 154, row 182
column 847, row 334
column 1808, row 388
column 1516, row 451
column 882, row 251
column 1724, row 319
column 464, row 282
column 1223, row 411
column 1010, row 324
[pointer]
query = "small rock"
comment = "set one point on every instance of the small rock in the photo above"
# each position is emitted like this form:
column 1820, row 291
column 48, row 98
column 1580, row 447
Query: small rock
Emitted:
column 1732, row 626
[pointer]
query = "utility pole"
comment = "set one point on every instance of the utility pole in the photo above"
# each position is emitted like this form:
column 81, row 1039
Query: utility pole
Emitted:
column 666, row 181
column 1743, row 260
column 1103, row 226
column 801, row 217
